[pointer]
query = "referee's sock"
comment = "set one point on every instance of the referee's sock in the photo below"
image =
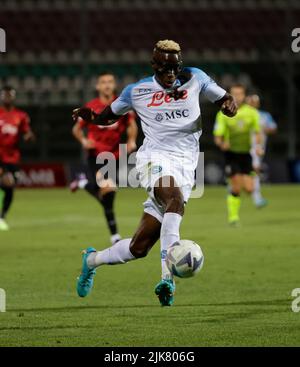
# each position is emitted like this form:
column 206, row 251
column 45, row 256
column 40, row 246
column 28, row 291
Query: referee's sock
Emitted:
column 233, row 207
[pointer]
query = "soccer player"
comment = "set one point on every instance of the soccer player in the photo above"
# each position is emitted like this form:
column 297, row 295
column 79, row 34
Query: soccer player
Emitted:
column 233, row 136
column 268, row 127
column 14, row 123
column 168, row 105
column 98, row 139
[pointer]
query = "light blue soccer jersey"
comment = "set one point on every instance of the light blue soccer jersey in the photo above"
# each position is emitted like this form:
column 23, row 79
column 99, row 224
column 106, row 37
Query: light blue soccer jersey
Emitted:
column 169, row 125
column 266, row 121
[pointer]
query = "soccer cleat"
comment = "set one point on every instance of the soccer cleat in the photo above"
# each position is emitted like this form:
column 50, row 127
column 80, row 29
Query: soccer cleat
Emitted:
column 3, row 225
column 165, row 290
column 76, row 184
column 85, row 280
column 261, row 203
column 234, row 222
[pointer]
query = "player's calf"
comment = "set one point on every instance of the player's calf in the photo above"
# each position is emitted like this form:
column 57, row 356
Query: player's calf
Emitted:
column 248, row 184
column 123, row 251
column 107, row 198
column 173, row 202
column 7, row 189
column 129, row 248
column 116, row 254
column 140, row 249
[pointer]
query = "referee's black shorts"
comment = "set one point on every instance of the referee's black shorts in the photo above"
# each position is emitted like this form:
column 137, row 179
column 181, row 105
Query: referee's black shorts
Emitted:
column 238, row 163
column 11, row 168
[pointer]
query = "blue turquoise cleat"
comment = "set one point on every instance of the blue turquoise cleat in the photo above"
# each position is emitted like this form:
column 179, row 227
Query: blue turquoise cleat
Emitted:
column 165, row 290
column 85, row 280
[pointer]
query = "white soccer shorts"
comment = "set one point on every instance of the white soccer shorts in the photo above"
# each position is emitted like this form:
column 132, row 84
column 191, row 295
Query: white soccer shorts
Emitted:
column 153, row 166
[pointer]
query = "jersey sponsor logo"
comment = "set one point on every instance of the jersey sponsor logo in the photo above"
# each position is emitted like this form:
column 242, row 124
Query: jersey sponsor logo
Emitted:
column 9, row 129
column 172, row 115
column 177, row 114
column 145, row 90
column 240, row 124
column 160, row 97
column 107, row 127
column 159, row 117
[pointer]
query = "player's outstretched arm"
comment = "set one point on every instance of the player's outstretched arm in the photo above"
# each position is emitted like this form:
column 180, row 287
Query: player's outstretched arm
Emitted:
column 228, row 105
column 106, row 117
column 29, row 136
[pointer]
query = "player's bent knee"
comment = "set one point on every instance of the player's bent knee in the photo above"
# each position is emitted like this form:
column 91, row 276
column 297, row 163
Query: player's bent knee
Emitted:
column 249, row 190
column 7, row 180
column 140, row 249
column 138, row 253
column 111, row 187
column 175, row 204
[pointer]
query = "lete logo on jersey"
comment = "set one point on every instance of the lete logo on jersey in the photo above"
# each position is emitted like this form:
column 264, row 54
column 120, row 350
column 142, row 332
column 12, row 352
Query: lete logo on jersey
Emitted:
column 159, row 98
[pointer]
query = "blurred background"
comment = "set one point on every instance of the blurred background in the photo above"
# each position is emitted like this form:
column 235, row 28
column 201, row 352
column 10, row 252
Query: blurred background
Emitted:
column 55, row 50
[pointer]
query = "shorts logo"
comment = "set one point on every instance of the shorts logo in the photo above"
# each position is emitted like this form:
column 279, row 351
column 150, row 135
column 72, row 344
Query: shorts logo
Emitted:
column 156, row 169
column 159, row 117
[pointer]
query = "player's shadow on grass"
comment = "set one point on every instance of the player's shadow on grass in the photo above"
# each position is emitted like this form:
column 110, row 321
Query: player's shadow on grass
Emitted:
column 275, row 221
column 273, row 302
column 79, row 308
column 256, row 308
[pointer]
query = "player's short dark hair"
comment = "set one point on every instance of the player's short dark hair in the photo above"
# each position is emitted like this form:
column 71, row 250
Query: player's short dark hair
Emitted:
column 7, row 88
column 106, row 72
column 239, row 85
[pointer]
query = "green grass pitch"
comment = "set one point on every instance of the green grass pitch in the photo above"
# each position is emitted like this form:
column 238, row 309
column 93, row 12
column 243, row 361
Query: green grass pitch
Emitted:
column 242, row 296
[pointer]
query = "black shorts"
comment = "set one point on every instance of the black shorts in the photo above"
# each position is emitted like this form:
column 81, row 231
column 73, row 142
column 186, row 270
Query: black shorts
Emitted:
column 11, row 168
column 238, row 163
column 93, row 168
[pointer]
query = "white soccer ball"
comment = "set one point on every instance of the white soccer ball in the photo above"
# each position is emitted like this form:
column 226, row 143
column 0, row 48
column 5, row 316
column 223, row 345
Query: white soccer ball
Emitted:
column 184, row 258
